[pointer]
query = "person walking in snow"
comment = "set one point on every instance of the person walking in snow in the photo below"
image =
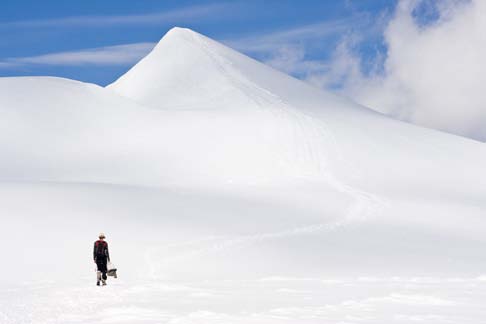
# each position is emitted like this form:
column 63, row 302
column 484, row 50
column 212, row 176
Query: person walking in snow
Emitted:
column 101, row 257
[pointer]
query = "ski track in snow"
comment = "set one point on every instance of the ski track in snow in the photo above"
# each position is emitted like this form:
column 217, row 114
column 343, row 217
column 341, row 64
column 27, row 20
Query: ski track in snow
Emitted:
column 307, row 127
column 365, row 204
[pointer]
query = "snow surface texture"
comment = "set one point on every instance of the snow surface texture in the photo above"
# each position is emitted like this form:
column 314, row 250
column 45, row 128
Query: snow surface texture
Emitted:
column 231, row 193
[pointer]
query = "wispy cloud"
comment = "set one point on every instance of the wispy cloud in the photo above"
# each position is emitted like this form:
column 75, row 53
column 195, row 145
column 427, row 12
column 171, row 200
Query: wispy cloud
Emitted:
column 187, row 14
column 109, row 55
column 308, row 51
column 5, row 65
column 274, row 40
column 276, row 45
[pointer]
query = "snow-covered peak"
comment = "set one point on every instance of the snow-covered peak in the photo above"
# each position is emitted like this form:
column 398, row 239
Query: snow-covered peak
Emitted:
column 187, row 70
column 176, row 35
column 181, row 71
column 182, row 32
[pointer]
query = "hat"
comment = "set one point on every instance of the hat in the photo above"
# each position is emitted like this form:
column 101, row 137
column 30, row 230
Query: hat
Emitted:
column 102, row 235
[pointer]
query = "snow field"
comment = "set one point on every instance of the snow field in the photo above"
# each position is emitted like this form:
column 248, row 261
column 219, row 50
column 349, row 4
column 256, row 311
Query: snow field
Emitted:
column 231, row 193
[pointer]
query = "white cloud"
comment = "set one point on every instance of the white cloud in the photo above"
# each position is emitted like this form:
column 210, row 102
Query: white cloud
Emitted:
column 342, row 68
column 188, row 14
column 434, row 72
column 109, row 55
column 287, row 49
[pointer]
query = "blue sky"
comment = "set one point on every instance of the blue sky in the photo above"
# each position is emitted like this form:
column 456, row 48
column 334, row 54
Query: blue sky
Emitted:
column 97, row 41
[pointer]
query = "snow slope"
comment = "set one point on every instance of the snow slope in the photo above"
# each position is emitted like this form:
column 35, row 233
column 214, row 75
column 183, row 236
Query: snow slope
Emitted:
column 234, row 180
column 308, row 135
column 318, row 131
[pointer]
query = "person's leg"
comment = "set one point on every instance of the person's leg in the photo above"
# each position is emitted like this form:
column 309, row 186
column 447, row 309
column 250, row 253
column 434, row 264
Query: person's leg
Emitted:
column 100, row 264
column 103, row 270
column 103, row 278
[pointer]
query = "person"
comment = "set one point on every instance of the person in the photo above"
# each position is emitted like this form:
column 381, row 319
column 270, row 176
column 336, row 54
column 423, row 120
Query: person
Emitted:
column 101, row 257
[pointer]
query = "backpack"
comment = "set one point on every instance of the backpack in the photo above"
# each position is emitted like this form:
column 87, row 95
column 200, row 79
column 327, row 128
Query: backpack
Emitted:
column 100, row 248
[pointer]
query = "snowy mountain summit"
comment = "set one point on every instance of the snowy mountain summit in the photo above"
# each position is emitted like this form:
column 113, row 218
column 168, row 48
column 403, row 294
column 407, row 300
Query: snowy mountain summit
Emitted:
column 188, row 69
column 222, row 168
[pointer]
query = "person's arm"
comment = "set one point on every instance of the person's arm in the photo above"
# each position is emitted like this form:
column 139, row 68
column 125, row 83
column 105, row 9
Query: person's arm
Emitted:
column 94, row 252
column 107, row 252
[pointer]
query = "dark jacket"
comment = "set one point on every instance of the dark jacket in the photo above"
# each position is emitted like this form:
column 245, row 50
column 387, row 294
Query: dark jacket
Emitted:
column 100, row 250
